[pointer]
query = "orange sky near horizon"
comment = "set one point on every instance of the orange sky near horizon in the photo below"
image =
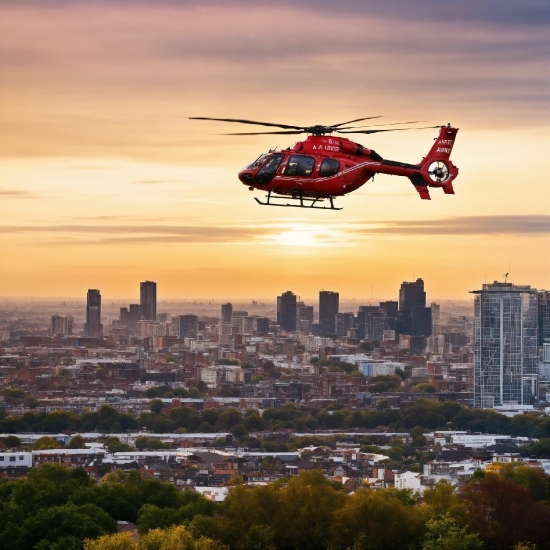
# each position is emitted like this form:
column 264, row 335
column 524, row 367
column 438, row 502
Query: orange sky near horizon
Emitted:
column 104, row 182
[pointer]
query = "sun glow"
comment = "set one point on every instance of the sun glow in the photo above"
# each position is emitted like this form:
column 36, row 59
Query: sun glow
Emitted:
column 305, row 236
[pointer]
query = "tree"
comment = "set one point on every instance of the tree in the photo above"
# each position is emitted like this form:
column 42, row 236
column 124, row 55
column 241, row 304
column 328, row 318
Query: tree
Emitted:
column 152, row 517
column 441, row 500
column 504, row 514
column 46, row 442
column 533, row 479
column 156, row 406
column 239, row 431
column 443, row 533
column 229, row 418
column 77, row 442
column 173, row 538
column 114, row 445
column 372, row 520
column 71, row 522
column 120, row 541
column 12, row 441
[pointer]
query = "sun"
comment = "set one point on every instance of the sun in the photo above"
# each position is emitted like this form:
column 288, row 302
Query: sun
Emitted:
column 297, row 237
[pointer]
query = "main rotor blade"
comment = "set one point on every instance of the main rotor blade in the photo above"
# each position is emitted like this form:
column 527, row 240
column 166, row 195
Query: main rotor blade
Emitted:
column 388, row 130
column 244, row 121
column 389, row 124
column 287, row 132
column 356, row 120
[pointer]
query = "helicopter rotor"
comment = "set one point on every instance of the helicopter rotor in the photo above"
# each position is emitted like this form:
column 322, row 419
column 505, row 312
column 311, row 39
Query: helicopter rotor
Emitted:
column 438, row 171
column 316, row 130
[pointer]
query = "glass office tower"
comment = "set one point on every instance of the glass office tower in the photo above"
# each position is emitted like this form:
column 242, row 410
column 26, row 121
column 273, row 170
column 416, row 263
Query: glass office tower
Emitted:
column 505, row 345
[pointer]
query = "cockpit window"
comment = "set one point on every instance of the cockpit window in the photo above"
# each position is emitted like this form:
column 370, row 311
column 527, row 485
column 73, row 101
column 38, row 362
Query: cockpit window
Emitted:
column 257, row 162
column 329, row 167
column 269, row 169
column 299, row 165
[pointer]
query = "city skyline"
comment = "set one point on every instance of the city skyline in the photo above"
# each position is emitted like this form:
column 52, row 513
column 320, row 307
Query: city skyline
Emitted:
column 103, row 179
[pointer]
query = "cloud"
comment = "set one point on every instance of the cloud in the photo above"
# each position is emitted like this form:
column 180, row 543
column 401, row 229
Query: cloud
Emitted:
column 464, row 225
column 140, row 234
column 157, row 182
column 16, row 194
column 285, row 234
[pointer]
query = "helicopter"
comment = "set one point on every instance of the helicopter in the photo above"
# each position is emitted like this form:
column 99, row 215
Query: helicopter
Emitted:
column 324, row 166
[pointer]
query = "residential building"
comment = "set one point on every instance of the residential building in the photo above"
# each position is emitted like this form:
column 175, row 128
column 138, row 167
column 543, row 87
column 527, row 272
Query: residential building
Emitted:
column 187, row 326
column 62, row 325
column 505, row 345
column 93, row 327
column 286, row 311
column 411, row 296
column 544, row 317
column 329, row 304
column 148, row 300
column 129, row 317
column 227, row 314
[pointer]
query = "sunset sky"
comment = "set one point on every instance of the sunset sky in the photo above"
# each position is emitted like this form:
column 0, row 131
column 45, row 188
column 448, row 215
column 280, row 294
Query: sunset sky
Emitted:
column 104, row 182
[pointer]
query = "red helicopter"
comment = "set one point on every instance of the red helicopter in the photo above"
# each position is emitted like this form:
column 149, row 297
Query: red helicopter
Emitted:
column 323, row 167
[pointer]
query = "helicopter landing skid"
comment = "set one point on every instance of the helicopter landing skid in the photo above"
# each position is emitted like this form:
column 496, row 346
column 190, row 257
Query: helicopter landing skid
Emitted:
column 304, row 201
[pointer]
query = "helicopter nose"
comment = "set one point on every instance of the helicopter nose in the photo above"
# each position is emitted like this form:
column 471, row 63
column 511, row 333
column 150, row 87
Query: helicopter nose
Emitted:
column 245, row 177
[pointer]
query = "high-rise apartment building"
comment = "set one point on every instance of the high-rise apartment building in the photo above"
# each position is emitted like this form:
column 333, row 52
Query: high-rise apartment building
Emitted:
column 286, row 311
column 148, row 300
column 329, row 304
column 544, row 317
column 227, row 313
column 62, row 325
column 187, row 326
column 421, row 321
column 93, row 327
column 391, row 310
column 436, row 319
column 261, row 325
column 304, row 317
column 370, row 323
column 505, row 345
column 411, row 296
column 129, row 317
column 344, row 323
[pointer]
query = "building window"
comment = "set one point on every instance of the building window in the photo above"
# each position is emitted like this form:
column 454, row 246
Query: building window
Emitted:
column 21, row 458
column 1, row 459
column 12, row 459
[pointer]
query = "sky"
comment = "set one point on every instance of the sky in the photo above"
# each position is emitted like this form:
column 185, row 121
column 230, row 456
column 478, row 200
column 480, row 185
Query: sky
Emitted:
column 105, row 182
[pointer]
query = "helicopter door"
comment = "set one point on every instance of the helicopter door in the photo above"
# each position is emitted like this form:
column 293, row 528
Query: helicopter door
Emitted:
column 269, row 169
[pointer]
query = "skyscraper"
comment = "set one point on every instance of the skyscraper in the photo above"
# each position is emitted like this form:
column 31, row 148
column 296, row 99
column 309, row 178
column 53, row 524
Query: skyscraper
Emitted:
column 391, row 309
column 421, row 321
column 227, row 313
column 411, row 296
column 544, row 317
column 436, row 319
column 62, row 325
column 286, row 311
column 148, row 300
column 505, row 345
column 129, row 317
column 329, row 304
column 187, row 326
column 370, row 323
column 93, row 326
column 304, row 317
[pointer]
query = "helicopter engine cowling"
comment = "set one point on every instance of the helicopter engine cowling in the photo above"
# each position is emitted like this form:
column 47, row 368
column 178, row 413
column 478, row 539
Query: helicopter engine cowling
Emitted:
column 358, row 150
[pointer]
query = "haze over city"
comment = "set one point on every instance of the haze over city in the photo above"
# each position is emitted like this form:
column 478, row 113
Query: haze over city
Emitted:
column 104, row 181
